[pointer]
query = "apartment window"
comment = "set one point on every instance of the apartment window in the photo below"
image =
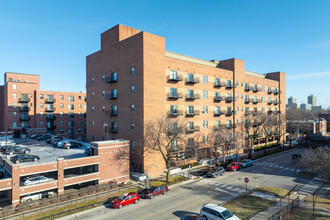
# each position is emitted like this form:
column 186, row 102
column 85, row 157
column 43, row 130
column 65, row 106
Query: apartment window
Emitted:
column 242, row 108
column 132, row 144
column 242, row 96
column 217, row 82
column 70, row 123
column 262, row 88
column 132, row 125
column 103, row 108
column 269, row 100
column 41, row 114
column 14, row 114
column 41, row 124
column 217, row 109
column 242, row 84
column 61, row 114
column 205, row 79
column 205, row 124
column 254, row 98
column 132, row 89
column 228, row 123
column 79, row 130
column 113, row 93
column 190, row 77
column 92, row 108
column 217, row 123
column 262, row 110
column 275, row 90
column 61, row 123
column 132, row 108
column 228, row 82
column 114, row 77
column 70, row 115
column 61, row 97
column 247, row 85
column 173, row 74
column 205, row 140
column 173, row 109
column 205, row 94
column 10, row 79
column 269, row 89
column 14, row 96
column 237, row 109
column 247, row 109
column 79, row 105
column 70, row 131
column 41, row 105
column 173, row 92
column 217, row 95
column 85, row 107
column 92, row 80
column 190, row 125
column 103, row 93
column 14, row 105
column 103, row 77
column 14, row 124
column 71, row 98
column 114, row 110
column 190, row 93
column 14, row 86
column 205, row 109
column 237, row 96
column 114, row 126
column 132, row 71
column 79, row 98
column 228, row 109
column 71, row 106
column 262, row 99
column 275, row 100
column 41, row 96
column 61, row 105
column 190, row 109
column 61, row 131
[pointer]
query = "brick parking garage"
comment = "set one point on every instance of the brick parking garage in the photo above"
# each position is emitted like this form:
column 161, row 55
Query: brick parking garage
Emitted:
column 108, row 161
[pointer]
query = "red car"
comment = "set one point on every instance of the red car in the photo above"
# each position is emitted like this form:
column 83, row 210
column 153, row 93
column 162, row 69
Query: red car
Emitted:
column 125, row 199
column 154, row 191
column 234, row 166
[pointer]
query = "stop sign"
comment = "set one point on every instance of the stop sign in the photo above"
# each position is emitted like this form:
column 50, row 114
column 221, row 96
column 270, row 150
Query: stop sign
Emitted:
column 246, row 179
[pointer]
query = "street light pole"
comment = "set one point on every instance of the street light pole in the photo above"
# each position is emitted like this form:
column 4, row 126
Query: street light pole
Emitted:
column 151, row 165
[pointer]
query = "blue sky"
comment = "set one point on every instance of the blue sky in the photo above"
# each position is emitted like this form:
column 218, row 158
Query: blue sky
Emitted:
column 52, row 38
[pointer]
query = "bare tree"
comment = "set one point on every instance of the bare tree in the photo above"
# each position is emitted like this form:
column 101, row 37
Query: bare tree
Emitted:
column 281, row 128
column 317, row 161
column 267, row 126
column 163, row 135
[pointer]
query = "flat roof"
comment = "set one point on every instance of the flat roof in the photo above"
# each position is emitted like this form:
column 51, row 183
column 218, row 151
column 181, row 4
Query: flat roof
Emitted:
column 47, row 152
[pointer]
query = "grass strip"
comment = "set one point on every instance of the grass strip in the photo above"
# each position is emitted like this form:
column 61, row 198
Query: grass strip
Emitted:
column 275, row 191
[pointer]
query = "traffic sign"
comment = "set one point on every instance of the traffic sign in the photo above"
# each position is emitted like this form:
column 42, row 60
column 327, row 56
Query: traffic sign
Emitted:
column 246, row 179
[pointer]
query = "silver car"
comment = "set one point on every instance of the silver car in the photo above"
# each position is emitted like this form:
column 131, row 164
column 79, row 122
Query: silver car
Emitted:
column 36, row 180
column 37, row 196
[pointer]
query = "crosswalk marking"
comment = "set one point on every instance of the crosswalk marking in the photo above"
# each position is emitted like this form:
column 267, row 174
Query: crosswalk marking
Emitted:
column 276, row 166
column 230, row 189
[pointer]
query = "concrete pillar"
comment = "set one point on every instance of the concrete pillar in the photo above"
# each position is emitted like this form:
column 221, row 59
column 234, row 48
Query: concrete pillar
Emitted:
column 15, row 185
column 60, row 175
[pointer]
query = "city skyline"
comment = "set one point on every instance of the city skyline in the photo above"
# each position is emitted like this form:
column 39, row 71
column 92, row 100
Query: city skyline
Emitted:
column 38, row 41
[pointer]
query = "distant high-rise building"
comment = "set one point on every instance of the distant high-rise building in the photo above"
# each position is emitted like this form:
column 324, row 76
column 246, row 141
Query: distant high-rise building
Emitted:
column 311, row 100
column 292, row 102
column 306, row 106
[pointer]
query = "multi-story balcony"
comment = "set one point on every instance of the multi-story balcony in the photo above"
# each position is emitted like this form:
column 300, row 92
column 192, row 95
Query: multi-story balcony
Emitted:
column 256, row 89
column 248, row 100
column 175, row 113
column 51, row 126
column 276, row 112
column 192, row 113
column 218, row 113
column 24, row 109
column 50, row 100
column 219, row 98
column 230, row 86
column 174, row 95
column 229, row 113
column 230, row 126
column 270, row 112
column 23, row 100
column 270, row 102
column 192, row 128
column 219, row 84
column 277, row 92
column 269, row 91
column 230, row 99
column 276, row 102
column 110, row 96
column 174, row 78
column 192, row 97
column 111, row 113
column 52, row 109
column 247, row 113
column 25, row 118
column 248, row 88
column 255, row 113
column 50, row 117
column 256, row 101
column 110, row 79
column 192, row 80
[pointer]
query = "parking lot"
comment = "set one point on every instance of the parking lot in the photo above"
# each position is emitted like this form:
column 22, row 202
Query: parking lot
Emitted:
column 47, row 152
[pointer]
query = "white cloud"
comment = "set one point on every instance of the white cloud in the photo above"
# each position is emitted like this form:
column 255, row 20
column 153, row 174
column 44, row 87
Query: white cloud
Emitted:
column 321, row 44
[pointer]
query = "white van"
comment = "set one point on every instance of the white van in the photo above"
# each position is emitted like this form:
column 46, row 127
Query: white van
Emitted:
column 216, row 212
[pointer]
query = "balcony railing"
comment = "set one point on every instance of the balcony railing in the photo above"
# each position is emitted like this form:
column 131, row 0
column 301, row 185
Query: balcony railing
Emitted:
column 276, row 102
column 270, row 92
column 256, row 89
column 256, row 101
column 192, row 97
column 175, row 113
column 219, row 98
column 192, row 80
column 24, row 109
column 192, row 128
column 276, row 112
column 110, row 96
column 110, row 79
column 248, row 100
column 218, row 113
column 229, row 113
column 270, row 112
column 219, row 84
column 230, row 99
column 50, row 100
column 230, row 86
column 247, row 113
column 25, row 118
column 174, row 78
column 255, row 113
column 174, row 95
column 23, row 100
column 270, row 102
column 192, row 113
column 50, row 109
column 248, row 88
column 50, row 117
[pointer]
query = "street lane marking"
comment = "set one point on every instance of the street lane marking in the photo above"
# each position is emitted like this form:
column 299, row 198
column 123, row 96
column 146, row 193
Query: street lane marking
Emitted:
column 185, row 200
column 234, row 194
column 145, row 215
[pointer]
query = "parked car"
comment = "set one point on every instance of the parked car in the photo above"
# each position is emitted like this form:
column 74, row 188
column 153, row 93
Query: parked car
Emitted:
column 246, row 163
column 36, row 180
column 24, row 158
column 35, row 136
column 88, row 151
column 44, row 137
column 212, row 211
column 37, row 196
column 3, row 149
column 67, row 144
column 233, row 166
column 216, row 172
column 192, row 216
column 296, row 156
column 154, row 191
column 2, row 171
column 17, row 150
column 125, row 199
column 50, row 140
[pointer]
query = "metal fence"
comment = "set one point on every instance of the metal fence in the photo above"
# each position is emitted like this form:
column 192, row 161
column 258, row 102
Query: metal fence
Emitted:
column 286, row 211
column 86, row 198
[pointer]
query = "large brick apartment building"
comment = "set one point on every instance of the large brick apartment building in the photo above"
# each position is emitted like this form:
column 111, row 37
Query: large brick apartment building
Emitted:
column 23, row 107
column 133, row 79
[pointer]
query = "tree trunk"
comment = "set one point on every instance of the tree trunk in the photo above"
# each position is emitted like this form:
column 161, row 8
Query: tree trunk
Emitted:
column 168, row 174
column 290, row 141
column 210, row 159
column 266, row 141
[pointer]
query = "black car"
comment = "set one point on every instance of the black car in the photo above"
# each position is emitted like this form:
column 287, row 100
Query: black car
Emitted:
column 34, row 136
column 50, row 140
column 24, row 158
column 3, row 149
column 296, row 156
column 44, row 137
column 17, row 150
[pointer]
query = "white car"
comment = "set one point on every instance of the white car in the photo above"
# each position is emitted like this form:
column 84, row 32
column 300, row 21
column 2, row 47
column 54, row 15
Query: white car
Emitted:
column 37, row 196
column 215, row 212
column 36, row 180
